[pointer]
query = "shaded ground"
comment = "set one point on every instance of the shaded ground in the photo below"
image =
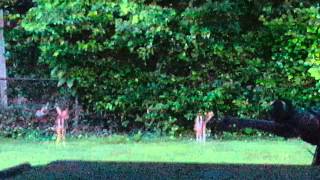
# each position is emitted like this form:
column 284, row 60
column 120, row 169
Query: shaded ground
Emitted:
column 127, row 170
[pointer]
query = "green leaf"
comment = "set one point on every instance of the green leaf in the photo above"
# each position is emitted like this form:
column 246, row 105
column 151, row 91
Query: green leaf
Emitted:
column 315, row 72
column 70, row 82
column 135, row 19
column 61, row 82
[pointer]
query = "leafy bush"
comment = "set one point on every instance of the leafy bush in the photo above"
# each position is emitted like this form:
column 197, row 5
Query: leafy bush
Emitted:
column 154, row 65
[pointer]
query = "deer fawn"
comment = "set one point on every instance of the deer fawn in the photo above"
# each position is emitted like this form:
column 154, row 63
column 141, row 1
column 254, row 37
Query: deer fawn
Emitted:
column 61, row 124
column 200, row 125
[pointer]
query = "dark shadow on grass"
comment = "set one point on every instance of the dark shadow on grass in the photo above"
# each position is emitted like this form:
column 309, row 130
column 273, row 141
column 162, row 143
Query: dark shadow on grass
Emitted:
column 154, row 170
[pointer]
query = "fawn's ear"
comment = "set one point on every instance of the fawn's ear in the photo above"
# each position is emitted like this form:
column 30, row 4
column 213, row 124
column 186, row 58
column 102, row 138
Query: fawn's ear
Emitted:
column 65, row 113
column 58, row 110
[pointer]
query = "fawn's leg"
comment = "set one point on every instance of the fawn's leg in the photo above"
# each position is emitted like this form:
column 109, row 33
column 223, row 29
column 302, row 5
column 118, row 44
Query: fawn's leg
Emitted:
column 198, row 134
column 58, row 131
column 201, row 132
column 64, row 136
column 63, row 133
column 204, row 133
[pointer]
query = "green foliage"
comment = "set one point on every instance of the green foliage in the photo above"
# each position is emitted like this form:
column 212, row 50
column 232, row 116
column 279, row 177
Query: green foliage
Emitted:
column 155, row 64
column 295, row 50
column 297, row 40
column 22, row 51
column 112, row 54
column 17, row 123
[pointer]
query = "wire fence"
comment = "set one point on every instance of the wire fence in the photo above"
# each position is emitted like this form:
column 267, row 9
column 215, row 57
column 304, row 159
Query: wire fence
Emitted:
column 31, row 92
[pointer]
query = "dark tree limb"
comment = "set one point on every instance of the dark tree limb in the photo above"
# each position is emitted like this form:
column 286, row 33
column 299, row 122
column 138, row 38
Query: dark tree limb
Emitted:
column 278, row 129
column 286, row 121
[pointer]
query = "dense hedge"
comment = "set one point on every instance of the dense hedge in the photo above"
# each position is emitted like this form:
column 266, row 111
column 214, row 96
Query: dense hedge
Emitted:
column 154, row 64
column 21, row 51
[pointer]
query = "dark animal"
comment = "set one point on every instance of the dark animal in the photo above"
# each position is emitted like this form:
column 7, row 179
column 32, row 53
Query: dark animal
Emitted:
column 306, row 123
column 286, row 121
column 281, row 111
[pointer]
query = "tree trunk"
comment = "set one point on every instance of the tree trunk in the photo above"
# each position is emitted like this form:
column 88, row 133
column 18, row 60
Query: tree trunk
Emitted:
column 3, row 69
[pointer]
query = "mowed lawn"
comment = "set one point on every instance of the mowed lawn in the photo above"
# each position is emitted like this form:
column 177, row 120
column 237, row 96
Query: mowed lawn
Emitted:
column 296, row 152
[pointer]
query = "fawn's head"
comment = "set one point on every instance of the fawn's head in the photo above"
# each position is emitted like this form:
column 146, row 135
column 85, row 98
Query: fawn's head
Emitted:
column 209, row 115
column 63, row 114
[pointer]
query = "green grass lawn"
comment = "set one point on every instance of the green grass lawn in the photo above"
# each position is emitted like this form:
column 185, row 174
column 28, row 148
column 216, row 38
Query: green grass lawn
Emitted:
column 13, row 152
